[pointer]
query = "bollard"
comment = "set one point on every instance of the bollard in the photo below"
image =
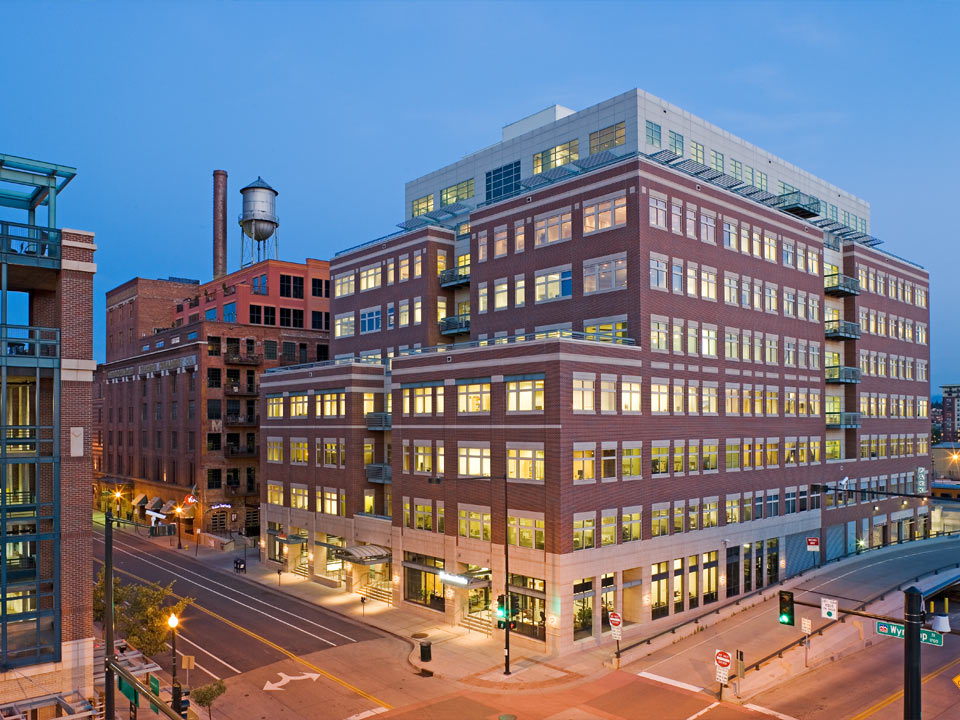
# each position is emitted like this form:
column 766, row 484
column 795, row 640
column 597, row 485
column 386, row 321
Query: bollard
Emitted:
column 426, row 652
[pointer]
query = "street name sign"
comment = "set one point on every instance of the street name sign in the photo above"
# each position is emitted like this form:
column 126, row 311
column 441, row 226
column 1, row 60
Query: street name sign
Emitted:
column 828, row 608
column 891, row 629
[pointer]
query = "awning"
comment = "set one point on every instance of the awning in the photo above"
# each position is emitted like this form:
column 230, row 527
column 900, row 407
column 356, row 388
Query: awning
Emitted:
column 154, row 503
column 364, row 554
column 168, row 507
column 140, row 499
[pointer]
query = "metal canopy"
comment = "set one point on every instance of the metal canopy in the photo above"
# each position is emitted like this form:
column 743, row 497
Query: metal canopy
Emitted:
column 46, row 179
column 691, row 166
column 558, row 173
column 534, row 181
column 665, row 156
column 596, row 160
column 456, row 208
column 413, row 223
column 364, row 554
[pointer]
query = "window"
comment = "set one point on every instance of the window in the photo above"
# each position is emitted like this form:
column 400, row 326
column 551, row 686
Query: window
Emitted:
column 708, row 228
column 556, row 156
column 274, row 450
column 658, row 274
column 269, row 316
column 501, row 294
column 455, row 193
column 659, row 457
column 369, row 278
column 659, row 397
column 604, row 214
column 344, row 325
column 525, row 532
column 421, row 206
column 553, row 285
column 503, row 181
column 658, row 335
column 299, row 455
column 519, row 291
column 525, row 396
column 275, row 493
column 551, row 229
column 473, row 461
column 658, row 212
column 608, row 137
column 370, row 321
column 653, row 134
column 474, row 524
column 299, row 406
column 630, row 396
column 676, row 142
column 423, row 458
column 500, row 242
column 631, row 461
column 584, row 531
column 696, row 151
column 473, row 398
column 708, row 284
column 583, row 395
column 716, row 160
column 525, row 464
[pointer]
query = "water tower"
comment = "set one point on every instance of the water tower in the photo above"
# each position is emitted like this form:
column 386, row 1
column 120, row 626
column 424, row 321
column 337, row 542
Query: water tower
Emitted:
column 258, row 223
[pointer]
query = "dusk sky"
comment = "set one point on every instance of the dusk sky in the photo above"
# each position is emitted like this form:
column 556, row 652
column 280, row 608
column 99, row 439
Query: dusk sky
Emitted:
column 337, row 105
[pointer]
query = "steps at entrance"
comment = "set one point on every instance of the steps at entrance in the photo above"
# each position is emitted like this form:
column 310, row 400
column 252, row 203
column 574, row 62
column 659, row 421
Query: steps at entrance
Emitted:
column 302, row 570
column 377, row 593
column 479, row 623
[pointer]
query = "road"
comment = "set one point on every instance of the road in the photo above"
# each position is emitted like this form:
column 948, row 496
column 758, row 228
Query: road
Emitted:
column 250, row 635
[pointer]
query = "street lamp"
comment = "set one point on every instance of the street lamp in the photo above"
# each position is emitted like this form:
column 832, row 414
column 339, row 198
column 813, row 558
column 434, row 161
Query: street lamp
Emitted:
column 506, row 562
column 118, row 495
column 179, row 510
column 175, row 692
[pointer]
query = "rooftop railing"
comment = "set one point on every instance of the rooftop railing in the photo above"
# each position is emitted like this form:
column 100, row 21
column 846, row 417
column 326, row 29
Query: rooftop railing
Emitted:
column 29, row 244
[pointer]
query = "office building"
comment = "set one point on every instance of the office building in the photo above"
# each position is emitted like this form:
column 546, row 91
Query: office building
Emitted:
column 46, row 328
column 623, row 342
column 951, row 413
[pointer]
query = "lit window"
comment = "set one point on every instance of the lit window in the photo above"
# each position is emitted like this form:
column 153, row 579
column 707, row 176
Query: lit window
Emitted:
column 473, row 461
column 274, row 407
column 556, row 156
column 421, row 206
column 525, row 396
column 583, row 394
column 369, row 278
column 584, row 462
column 676, row 142
column 552, row 229
column 608, row 137
column 604, row 275
column 299, row 405
column 604, row 214
column 525, row 464
column 455, row 193
column 553, row 285
column 473, row 398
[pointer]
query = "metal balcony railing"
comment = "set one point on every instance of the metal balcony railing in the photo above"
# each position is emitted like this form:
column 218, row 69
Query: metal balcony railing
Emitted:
column 451, row 277
column 23, row 341
column 30, row 244
column 842, row 420
column 240, row 389
column 27, row 440
column 379, row 421
column 841, row 374
column 20, row 498
column 838, row 285
column 241, row 451
column 841, row 329
column 799, row 204
column 379, row 473
column 241, row 419
column 455, row 324
column 239, row 358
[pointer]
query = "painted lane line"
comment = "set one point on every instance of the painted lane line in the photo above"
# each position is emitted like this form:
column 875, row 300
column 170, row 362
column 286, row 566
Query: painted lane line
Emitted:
column 196, row 663
column 227, row 597
column 269, row 643
column 670, row 681
column 707, row 709
column 899, row 694
column 207, row 652
column 228, row 587
column 768, row 711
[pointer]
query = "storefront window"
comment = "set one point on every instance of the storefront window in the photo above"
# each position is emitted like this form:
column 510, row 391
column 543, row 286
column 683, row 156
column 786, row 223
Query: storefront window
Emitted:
column 327, row 563
column 693, row 581
column 733, row 571
column 608, row 590
column 678, row 585
column 422, row 584
column 658, row 590
column 274, row 546
column 709, row 577
column 773, row 561
column 532, row 618
column 583, row 609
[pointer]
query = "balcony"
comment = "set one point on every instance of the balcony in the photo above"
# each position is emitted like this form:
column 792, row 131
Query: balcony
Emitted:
column 241, row 451
column 455, row 276
column 239, row 389
column 455, row 325
column 21, row 569
column 29, row 346
column 842, row 420
column 840, row 285
column 799, row 204
column 241, row 420
column 239, row 358
column 20, row 498
column 379, row 473
column 841, row 330
column 379, row 421
column 30, row 245
column 841, row 374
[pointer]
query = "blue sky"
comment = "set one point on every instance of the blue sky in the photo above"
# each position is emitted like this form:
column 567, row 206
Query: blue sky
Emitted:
column 337, row 105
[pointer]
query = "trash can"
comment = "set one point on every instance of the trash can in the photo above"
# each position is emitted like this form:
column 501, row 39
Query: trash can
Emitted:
column 426, row 654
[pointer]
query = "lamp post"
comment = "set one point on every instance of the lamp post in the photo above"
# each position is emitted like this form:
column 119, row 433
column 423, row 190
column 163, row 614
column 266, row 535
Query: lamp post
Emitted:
column 506, row 563
column 117, row 495
column 179, row 510
column 175, row 691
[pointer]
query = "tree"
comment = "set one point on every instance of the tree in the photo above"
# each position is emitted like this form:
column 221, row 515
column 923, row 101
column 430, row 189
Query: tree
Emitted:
column 140, row 615
column 205, row 695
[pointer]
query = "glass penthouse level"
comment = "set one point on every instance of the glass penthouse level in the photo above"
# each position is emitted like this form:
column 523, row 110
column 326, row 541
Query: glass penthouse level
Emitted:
column 30, row 263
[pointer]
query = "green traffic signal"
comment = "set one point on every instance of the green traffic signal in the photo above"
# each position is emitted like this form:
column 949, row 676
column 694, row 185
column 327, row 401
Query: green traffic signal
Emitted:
column 786, row 608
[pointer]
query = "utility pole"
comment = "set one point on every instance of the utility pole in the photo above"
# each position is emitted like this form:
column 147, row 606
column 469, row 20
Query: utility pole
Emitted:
column 110, row 712
column 506, row 577
column 912, row 622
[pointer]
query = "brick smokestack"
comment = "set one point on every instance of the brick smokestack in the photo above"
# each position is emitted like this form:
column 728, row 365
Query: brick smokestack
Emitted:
column 219, row 223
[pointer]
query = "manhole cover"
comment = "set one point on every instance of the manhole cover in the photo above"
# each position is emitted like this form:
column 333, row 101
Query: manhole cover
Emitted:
column 419, row 636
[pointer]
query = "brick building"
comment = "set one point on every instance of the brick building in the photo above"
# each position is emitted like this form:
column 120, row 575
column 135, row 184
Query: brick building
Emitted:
column 631, row 363
column 46, row 643
column 177, row 410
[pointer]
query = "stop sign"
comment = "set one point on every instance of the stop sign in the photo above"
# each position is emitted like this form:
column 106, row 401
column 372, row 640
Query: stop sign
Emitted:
column 722, row 659
column 615, row 619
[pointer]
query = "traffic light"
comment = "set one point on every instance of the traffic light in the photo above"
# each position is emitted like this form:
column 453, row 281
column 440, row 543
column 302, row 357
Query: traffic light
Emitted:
column 184, row 704
column 786, row 608
column 501, row 612
column 514, row 605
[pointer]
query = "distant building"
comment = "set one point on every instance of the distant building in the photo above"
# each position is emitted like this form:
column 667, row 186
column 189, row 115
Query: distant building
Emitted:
column 951, row 413
column 945, row 458
column 46, row 354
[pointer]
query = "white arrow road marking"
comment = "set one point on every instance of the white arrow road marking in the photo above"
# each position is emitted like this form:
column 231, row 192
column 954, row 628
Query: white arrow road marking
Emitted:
column 284, row 679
